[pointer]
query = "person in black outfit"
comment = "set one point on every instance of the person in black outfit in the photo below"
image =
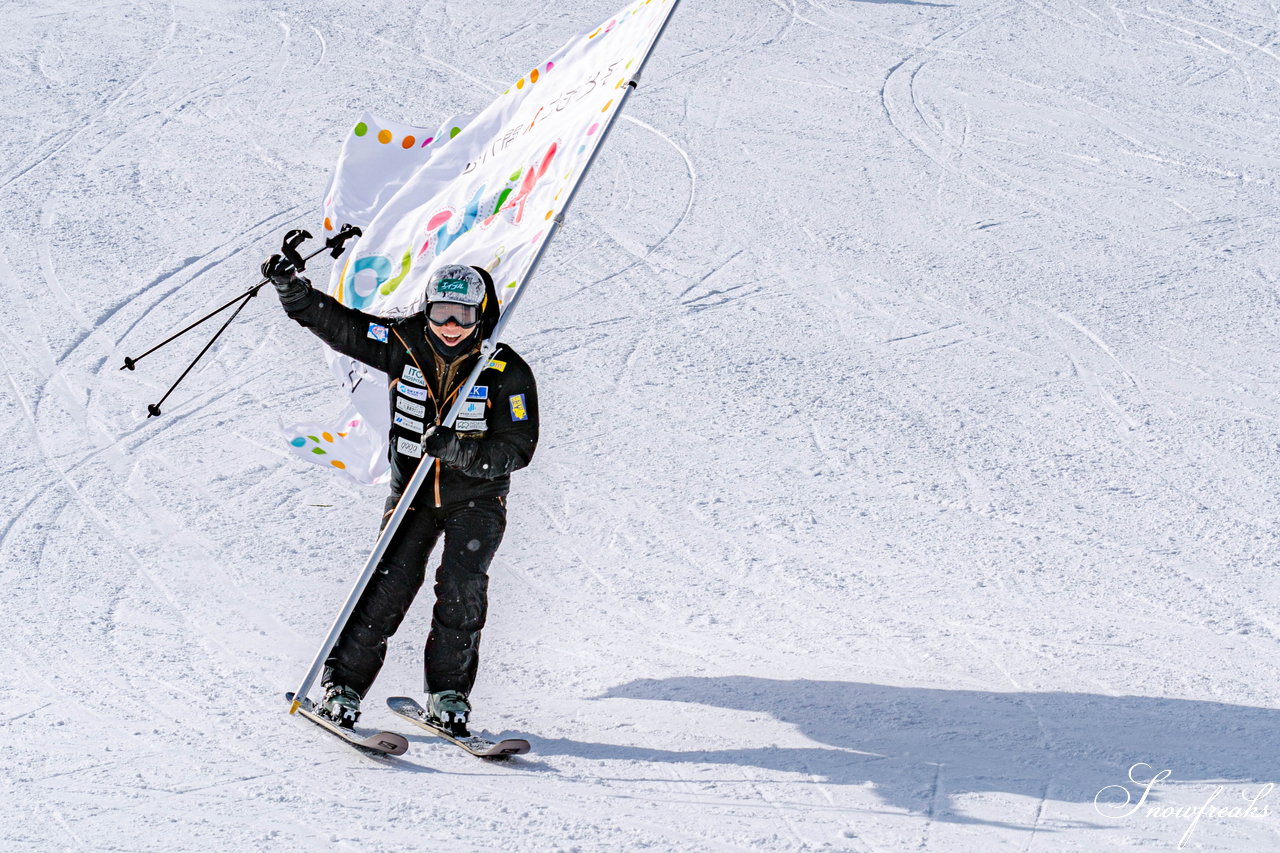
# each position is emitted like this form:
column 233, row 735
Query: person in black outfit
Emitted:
column 427, row 356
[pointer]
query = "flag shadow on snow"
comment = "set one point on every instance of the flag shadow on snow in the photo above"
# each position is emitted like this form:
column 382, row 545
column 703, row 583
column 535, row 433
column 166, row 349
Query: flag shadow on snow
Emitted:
column 923, row 747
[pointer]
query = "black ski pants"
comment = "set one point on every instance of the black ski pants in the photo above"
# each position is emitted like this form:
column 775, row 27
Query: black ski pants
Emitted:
column 472, row 531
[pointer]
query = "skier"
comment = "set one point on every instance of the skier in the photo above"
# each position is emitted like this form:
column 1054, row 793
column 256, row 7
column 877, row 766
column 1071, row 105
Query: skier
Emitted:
column 427, row 356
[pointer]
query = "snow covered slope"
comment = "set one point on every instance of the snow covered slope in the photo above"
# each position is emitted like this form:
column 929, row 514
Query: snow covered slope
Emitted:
column 908, row 468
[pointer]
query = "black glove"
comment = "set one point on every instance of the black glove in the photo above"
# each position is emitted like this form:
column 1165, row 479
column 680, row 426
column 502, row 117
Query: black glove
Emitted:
column 290, row 287
column 443, row 443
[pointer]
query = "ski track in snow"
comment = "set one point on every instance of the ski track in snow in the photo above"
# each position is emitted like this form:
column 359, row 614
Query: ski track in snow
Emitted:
column 908, row 469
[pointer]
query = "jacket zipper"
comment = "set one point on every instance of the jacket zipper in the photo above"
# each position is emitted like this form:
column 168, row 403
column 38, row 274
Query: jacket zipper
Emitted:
column 444, row 388
column 450, row 372
column 431, row 394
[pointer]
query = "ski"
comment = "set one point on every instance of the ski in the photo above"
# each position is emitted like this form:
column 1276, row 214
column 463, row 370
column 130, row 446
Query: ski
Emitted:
column 482, row 748
column 383, row 743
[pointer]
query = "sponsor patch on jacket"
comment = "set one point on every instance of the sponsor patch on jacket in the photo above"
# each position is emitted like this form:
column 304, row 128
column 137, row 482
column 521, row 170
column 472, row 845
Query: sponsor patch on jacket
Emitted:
column 409, row 448
column 419, row 394
column 408, row 423
column 499, row 366
column 413, row 374
column 410, row 408
column 479, row 392
column 378, row 333
column 472, row 409
column 470, row 426
column 518, row 411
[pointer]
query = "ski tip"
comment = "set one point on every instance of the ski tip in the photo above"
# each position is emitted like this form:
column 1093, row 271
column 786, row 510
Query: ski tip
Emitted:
column 403, row 703
column 507, row 748
column 389, row 743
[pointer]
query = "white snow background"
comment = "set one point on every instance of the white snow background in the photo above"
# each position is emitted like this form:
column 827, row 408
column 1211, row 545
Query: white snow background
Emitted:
column 908, row 463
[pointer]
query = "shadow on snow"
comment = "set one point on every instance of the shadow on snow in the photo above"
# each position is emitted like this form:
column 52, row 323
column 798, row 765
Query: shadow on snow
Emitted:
column 922, row 747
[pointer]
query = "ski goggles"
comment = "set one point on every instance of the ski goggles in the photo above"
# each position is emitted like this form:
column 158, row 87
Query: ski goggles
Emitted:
column 442, row 313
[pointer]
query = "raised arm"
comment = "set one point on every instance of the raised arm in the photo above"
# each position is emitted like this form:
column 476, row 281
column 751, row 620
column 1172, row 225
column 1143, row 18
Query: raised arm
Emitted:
column 348, row 331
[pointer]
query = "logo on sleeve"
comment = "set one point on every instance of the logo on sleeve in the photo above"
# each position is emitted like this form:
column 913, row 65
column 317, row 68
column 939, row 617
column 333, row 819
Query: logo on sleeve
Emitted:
column 479, row 392
column 518, row 410
column 378, row 333
column 499, row 366
column 413, row 374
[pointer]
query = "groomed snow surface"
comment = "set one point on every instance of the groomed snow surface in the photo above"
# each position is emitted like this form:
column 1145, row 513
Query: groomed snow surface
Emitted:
column 908, row 465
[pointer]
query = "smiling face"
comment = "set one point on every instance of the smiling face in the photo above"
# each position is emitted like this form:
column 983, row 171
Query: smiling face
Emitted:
column 452, row 322
column 450, row 334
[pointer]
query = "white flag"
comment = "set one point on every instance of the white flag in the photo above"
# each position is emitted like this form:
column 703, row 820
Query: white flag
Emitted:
column 480, row 190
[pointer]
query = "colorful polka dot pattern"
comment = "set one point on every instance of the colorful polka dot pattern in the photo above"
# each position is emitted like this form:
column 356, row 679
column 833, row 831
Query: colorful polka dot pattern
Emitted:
column 407, row 142
column 301, row 442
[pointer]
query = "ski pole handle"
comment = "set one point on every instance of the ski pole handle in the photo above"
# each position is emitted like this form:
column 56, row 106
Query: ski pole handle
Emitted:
column 337, row 243
column 289, row 248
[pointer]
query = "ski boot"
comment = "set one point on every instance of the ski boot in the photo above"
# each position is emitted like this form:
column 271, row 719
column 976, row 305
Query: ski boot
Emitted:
column 449, row 710
column 340, row 704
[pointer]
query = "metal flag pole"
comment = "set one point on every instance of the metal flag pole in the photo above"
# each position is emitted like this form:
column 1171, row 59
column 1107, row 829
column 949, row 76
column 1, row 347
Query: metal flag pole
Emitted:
column 487, row 348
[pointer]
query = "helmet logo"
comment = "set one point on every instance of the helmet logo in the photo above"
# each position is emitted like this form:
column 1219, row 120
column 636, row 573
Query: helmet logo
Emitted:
column 452, row 285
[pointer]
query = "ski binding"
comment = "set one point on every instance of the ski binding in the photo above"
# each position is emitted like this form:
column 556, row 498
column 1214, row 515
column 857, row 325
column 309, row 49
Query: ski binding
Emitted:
column 385, row 743
column 477, row 746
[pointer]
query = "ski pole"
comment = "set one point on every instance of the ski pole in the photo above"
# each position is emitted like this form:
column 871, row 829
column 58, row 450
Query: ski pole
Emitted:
column 290, row 250
column 153, row 410
column 130, row 363
column 333, row 245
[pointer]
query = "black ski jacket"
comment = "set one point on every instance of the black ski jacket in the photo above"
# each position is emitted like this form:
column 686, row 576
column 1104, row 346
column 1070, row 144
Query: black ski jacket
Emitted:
column 501, row 413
